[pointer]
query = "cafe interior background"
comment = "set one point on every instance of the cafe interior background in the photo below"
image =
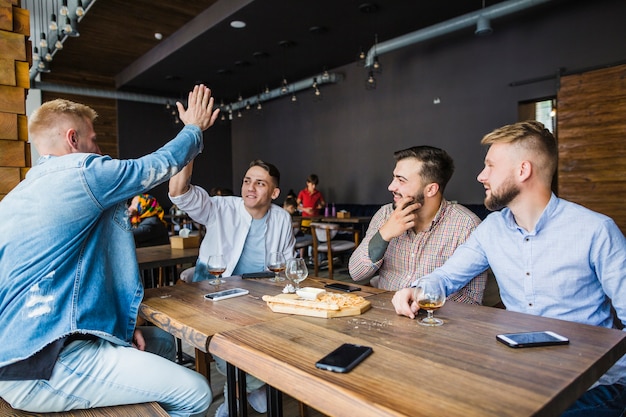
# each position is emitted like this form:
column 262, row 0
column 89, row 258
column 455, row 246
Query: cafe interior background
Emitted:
column 468, row 67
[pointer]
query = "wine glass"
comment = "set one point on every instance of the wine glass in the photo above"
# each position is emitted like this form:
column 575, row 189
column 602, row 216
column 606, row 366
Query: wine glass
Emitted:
column 216, row 267
column 430, row 295
column 276, row 264
column 296, row 271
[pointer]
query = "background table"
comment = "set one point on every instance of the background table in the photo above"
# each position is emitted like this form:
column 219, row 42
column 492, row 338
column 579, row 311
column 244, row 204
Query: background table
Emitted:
column 163, row 258
column 458, row 369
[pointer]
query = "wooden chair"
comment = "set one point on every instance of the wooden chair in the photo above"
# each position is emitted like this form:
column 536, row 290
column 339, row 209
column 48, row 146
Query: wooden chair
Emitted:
column 132, row 410
column 323, row 234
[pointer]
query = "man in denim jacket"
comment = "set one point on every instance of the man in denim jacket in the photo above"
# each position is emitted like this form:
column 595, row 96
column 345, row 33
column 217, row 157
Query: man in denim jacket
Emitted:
column 69, row 282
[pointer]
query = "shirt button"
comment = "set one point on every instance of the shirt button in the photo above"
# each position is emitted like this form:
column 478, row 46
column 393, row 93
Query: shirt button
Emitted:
column 527, row 239
column 530, row 304
column 527, row 273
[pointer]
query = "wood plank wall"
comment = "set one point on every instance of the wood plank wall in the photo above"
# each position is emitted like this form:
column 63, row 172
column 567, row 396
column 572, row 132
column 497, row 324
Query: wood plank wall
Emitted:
column 592, row 141
column 15, row 61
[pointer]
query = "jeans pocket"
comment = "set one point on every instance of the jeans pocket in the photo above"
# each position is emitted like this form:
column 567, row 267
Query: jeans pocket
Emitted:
column 41, row 397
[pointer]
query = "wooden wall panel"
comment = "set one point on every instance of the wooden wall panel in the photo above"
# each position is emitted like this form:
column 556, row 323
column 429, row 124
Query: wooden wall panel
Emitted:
column 592, row 141
column 12, row 153
column 14, row 82
column 8, row 126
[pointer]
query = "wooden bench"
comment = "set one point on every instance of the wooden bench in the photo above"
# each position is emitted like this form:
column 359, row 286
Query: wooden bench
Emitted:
column 132, row 410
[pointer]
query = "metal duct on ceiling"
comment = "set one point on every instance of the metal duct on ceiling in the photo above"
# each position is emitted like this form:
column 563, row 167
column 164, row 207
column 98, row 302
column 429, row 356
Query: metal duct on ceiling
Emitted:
column 465, row 21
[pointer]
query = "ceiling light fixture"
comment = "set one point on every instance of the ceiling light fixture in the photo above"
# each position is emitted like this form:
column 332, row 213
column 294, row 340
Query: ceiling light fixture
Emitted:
column 370, row 83
column 53, row 22
column 237, row 24
column 63, row 11
column 320, row 79
column 79, row 9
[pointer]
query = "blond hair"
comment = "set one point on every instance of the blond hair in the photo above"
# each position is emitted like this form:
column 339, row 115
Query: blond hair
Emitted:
column 532, row 137
column 49, row 113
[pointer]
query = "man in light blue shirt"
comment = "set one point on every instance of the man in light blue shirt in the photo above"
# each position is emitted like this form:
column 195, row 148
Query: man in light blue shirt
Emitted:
column 551, row 257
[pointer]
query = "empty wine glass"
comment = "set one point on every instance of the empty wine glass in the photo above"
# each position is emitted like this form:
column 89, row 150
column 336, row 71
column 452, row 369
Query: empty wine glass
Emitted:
column 296, row 271
column 430, row 295
column 276, row 264
column 216, row 267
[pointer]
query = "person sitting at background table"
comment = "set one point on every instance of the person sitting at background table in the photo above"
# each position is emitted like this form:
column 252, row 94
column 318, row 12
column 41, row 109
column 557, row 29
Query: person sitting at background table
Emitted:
column 69, row 278
column 147, row 221
column 550, row 257
column 419, row 222
column 310, row 199
column 244, row 230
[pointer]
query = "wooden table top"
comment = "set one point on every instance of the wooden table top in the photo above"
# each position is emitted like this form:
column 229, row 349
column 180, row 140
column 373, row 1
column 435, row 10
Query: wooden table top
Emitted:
column 164, row 255
column 458, row 369
column 182, row 310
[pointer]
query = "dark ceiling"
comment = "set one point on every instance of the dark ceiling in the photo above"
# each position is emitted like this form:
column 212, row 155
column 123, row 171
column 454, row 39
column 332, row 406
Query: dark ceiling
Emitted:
column 117, row 48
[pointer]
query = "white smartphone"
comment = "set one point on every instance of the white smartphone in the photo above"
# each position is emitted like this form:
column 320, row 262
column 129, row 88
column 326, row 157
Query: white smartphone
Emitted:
column 531, row 339
column 221, row 295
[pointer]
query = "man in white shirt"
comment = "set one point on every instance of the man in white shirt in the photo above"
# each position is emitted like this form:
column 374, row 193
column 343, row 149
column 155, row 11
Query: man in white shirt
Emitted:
column 244, row 230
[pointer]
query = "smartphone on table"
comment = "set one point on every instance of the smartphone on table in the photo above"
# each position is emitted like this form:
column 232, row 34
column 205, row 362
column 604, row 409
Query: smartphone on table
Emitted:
column 342, row 287
column 531, row 339
column 344, row 358
column 221, row 295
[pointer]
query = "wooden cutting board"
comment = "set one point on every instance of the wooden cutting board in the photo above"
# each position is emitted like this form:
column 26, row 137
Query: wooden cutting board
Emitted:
column 307, row 308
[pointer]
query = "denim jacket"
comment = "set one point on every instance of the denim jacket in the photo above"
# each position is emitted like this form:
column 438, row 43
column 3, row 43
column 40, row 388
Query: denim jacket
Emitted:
column 67, row 255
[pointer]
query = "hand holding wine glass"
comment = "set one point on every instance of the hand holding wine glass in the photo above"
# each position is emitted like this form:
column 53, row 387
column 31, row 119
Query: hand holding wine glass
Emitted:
column 216, row 267
column 276, row 264
column 296, row 271
column 430, row 295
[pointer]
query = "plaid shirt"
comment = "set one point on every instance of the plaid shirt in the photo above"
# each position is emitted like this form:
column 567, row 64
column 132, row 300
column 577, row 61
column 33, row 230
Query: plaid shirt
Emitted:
column 413, row 255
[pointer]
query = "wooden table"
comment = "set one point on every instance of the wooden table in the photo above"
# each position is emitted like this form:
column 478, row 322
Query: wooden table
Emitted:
column 182, row 310
column 458, row 369
column 164, row 256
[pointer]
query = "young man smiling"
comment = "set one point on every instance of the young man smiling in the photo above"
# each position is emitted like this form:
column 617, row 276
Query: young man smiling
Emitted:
column 244, row 230
column 418, row 231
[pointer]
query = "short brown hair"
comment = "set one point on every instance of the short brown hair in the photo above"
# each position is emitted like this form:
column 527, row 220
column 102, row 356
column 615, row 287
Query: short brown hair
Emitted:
column 532, row 136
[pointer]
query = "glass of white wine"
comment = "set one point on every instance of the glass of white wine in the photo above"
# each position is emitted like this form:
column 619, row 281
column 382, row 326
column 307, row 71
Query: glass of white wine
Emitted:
column 216, row 267
column 430, row 295
column 276, row 264
column 296, row 271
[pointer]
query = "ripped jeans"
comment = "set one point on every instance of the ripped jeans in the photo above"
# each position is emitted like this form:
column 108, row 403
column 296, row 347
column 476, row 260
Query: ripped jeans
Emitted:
column 97, row 373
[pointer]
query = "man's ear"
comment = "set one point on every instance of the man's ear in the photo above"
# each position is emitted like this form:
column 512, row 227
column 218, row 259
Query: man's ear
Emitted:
column 431, row 189
column 275, row 193
column 525, row 170
column 71, row 137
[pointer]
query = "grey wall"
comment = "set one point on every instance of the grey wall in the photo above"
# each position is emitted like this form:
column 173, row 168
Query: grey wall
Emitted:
column 348, row 138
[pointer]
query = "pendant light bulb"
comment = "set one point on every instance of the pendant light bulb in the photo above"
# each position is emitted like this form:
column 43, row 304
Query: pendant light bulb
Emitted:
column 53, row 22
column 63, row 11
column 79, row 9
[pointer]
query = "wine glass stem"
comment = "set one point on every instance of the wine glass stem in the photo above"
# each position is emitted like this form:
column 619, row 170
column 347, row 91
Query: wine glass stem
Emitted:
column 430, row 316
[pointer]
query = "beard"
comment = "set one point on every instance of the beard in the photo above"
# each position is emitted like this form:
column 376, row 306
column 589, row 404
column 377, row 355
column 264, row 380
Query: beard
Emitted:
column 503, row 197
column 417, row 198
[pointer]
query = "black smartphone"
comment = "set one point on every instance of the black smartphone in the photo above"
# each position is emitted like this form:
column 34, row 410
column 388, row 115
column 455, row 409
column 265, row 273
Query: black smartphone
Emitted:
column 342, row 287
column 262, row 274
column 344, row 358
column 531, row 339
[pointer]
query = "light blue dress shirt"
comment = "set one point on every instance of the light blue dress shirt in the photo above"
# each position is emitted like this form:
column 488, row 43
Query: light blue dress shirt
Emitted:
column 571, row 267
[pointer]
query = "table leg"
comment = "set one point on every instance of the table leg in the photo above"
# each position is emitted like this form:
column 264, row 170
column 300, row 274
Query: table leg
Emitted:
column 231, row 383
column 243, row 396
column 274, row 402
